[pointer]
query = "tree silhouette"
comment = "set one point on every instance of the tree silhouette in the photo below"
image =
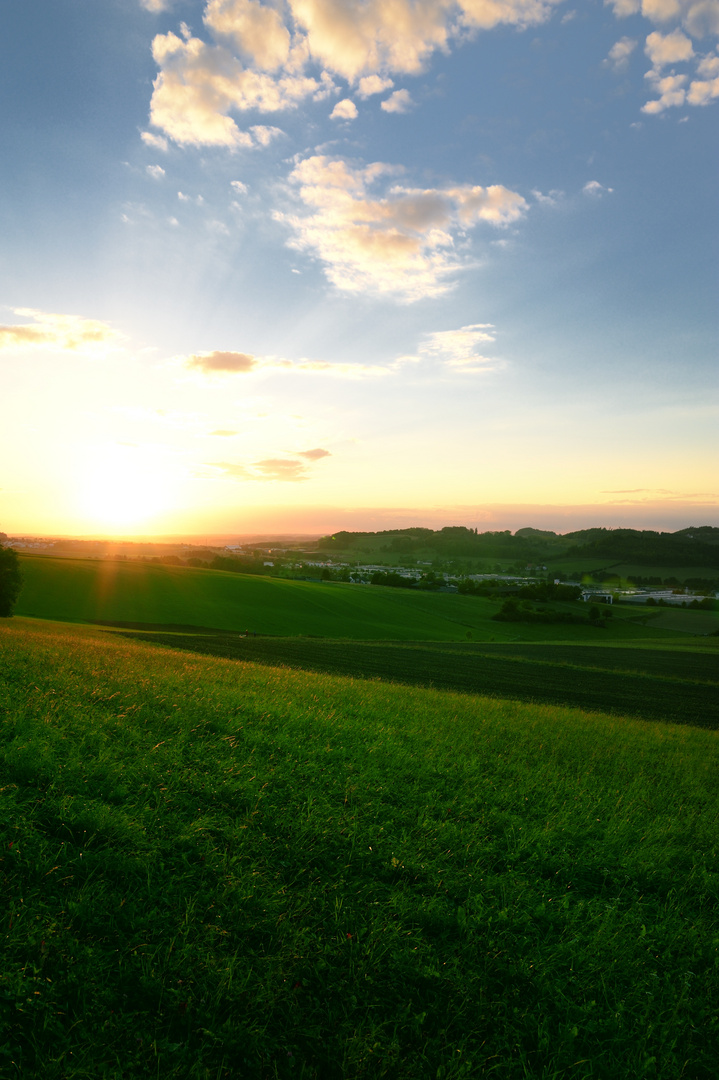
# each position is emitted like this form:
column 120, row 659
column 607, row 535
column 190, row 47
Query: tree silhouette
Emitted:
column 10, row 581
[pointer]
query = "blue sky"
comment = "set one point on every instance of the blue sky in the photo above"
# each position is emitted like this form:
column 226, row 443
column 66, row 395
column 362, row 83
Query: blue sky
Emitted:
column 310, row 265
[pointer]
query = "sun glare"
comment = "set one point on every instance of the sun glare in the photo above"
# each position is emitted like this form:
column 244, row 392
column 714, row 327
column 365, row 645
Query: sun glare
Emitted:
column 125, row 487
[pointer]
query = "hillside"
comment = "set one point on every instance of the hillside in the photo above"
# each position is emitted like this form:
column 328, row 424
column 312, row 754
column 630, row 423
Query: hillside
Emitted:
column 141, row 595
column 215, row 869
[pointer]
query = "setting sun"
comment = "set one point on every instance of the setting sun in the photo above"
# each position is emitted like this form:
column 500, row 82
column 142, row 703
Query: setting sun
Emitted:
column 123, row 489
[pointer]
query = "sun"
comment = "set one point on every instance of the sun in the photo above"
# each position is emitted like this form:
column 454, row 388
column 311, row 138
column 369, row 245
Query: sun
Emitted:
column 125, row 487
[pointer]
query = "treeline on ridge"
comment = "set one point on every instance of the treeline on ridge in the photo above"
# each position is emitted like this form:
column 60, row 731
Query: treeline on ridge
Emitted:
column 688, row 547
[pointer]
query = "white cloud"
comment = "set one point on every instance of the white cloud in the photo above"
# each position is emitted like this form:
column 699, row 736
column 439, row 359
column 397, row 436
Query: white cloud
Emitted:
column 156, row 6
column 624, row 8
column 698, row 17
column 344, row 110
column 239, row 187
column 398, row 102
column 671, row 92
column 703, row 91
column 458, row 349
column 263, row 135
column 595, row 190
column 260, row 52
column 708, row 66
column 668, row 49
column 373, row 84
column 400, row 241
column 199, row 85
column 356, row 38
column 157, row 142
column 692, row 19
column 257, row 32
column 620, row 52
column 155, row 171
column 66, row 333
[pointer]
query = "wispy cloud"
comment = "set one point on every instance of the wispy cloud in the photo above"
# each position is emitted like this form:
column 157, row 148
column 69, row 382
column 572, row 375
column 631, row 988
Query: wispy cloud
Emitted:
column 285, row 469
column 68, row 333
column 314, row 455
column 223, row 362
column 460, row 349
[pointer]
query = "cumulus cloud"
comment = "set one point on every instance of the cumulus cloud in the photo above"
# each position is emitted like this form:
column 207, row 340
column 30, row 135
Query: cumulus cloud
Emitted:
column 356, row 38
column 705, row 89
column 620, row 52
column 671, row 90
column 398, row 241
column 221, row 362
column 238, row 187
column 373, row 84
column 156, row 6
column 260, row 52
column 344, row 110
column 68, row 333
column 668, row 48
column 199, row 85
column 673, row 45
column 398, row 102
column 155, row 171
column 257, row 32
column 698, row 17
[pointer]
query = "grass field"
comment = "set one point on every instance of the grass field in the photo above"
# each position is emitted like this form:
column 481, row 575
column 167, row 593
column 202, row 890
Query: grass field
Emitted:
column 656, row 684
column 216, row 869
column 142, row 595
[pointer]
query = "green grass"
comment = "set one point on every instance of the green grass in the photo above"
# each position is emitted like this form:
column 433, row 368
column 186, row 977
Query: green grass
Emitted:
column 216, row 869
column 138, row 594
column 657, row 684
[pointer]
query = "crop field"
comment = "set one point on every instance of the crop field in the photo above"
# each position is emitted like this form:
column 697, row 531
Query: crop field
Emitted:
column 216, row 869
column 656, row 684
column 151, row 596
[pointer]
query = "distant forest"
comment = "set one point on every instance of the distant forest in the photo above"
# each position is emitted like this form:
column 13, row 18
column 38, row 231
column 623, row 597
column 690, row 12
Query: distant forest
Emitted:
column 689, row 547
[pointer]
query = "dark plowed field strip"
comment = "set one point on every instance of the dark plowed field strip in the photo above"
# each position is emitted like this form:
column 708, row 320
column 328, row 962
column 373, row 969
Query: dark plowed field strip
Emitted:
column 561, row 677
column 663, row 663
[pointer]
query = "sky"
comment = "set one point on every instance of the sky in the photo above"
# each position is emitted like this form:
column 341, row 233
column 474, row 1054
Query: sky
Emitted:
column 318, row 264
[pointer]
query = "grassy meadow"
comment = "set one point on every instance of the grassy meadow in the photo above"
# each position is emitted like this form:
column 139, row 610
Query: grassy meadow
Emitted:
column 213, row 868
column 150, row 595
column 675, row 683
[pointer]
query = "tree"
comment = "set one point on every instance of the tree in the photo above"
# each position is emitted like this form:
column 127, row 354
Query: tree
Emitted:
column 10, row 581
